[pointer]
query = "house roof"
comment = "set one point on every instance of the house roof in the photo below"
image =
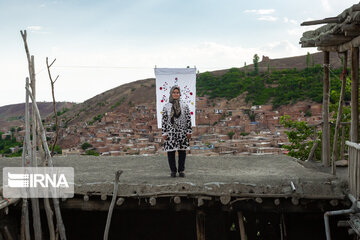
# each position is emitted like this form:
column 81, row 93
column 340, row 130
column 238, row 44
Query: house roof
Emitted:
column 339, row 34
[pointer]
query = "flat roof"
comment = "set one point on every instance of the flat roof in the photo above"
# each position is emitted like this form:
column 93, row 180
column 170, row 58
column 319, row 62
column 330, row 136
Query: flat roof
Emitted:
column 237, row 176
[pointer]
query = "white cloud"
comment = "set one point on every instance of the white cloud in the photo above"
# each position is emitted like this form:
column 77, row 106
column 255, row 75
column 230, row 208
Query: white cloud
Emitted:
column 34, row 28
column 267, row 18
column 292, row 21
column 42, row 5
column 326, row 5
column 260, row 11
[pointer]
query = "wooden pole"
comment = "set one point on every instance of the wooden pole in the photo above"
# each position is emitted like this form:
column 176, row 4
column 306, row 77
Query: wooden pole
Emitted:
column 111, row 208
column 25, row 228
column 200, row 225
column 325, row 155
column 48, row 210
column 342, row 148
column 241, row 226
column 54, row 104
column 354, row 133
column 60, row 223
column 34, row 201
column 338, row 118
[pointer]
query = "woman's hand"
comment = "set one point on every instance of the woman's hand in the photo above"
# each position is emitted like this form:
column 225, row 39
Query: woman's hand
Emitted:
column 188, row 135
column 165, row 137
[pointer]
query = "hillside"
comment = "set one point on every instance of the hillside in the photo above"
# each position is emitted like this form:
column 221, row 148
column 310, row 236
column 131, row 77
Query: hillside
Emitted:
column 143, row 92
column 13, row 115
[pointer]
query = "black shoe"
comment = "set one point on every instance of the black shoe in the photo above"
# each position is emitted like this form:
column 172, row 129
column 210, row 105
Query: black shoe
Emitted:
column 181, row 174
column 173, row 174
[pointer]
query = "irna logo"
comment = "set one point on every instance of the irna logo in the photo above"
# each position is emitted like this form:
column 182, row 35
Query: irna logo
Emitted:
column 37, row 180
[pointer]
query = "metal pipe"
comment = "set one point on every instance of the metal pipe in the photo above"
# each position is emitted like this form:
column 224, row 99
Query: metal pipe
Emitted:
column 338, row 212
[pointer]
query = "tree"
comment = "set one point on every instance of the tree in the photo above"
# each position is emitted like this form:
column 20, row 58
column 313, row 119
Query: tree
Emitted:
column 256, row 64
column 231, row 134
column 86, row 145
column 300, row 138
column 307, row 60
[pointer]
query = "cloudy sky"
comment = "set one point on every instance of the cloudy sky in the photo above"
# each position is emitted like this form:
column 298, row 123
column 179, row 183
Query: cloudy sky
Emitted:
column 100, row 45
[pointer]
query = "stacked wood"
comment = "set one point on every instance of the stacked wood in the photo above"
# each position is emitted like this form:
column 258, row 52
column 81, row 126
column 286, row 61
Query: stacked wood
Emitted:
column 338, row 30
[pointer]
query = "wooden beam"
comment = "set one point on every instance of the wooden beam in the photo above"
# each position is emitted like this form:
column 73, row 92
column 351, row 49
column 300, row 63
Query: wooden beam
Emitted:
column 325, row 151
column 241, row 226
column 353, row 33
column 350, row 27
column 347, row 46
column 200, row 225
column 322, row 21
column 339, row 115
column 328, row 49
column 331, row 40
column 354, row 132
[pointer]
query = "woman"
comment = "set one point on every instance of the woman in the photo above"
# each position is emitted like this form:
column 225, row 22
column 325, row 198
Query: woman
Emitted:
column 176, row 130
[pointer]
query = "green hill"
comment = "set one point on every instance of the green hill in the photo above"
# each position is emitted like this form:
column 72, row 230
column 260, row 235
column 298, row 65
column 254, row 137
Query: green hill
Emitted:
column 272, row 87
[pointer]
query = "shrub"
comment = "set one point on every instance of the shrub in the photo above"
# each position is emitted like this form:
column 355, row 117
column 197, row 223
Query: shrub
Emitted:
column 92, row 152
column 86, row 145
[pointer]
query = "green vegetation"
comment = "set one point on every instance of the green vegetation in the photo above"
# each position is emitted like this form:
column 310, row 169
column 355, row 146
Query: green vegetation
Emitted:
column 118, row 103
column 57, row 149
column 64, row 110
column 301, row 135
column 274, row 87
column 96, row 119
column 230, row 134
column 7, row 144
column 300, row 138
column 256, row 64
column 92, row 152
column 86, row 145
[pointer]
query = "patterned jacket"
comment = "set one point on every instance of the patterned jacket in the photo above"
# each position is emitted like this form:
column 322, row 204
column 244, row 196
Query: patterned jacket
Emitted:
column 176, row 132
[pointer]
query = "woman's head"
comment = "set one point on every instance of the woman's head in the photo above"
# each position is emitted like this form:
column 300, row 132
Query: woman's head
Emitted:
column 175, row 93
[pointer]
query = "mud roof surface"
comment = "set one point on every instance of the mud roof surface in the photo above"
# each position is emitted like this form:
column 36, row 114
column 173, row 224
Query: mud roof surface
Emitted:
column 247, row 176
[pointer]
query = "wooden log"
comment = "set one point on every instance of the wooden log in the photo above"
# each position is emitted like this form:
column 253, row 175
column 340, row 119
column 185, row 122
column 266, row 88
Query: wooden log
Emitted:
column 103, row 197
column 332, row 39
column 258, row 200
column 152, row 201
column 350, row 27
column 48, row 210
column 352, row 33
column 25, row 162
column 328, row 49
column 354, row 95
column 120, row 201
column 60, row 223
column 86, row 198
column 241, row 226
column 200, row 225
column 313, row 148
column 322, row 21
column 339, row 115
column 225, row 199
column 343, row 224
column 112, row 205
column 342, row 146
column 295, row 201
column 7, row 234
column 177, row 200
column 277, row 202
column 325, row 155
column 334, row 202
column 200, row 202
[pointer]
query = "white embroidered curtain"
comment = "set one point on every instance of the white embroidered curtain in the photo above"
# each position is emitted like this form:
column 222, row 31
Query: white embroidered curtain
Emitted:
column 185, row 78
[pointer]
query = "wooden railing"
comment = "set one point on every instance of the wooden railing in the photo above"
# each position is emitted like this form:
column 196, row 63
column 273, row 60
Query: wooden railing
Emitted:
column 354, row 169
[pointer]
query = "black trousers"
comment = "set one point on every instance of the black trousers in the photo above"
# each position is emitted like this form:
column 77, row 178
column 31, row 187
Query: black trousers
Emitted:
column 172, row 162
